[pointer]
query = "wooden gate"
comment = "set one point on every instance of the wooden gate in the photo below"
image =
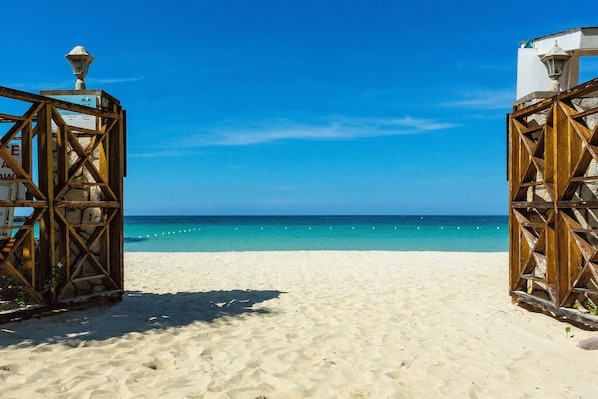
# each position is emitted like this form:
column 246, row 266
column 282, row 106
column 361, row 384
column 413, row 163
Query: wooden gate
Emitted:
column 65, row 243
column 553, row 184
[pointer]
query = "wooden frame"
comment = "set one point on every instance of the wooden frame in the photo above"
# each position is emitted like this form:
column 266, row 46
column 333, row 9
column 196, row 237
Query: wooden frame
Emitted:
column 78, row 255
column 553, row 192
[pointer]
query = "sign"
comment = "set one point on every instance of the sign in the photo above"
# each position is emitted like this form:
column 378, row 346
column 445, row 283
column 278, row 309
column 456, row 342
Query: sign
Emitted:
column 74, row 118
column 9, row 191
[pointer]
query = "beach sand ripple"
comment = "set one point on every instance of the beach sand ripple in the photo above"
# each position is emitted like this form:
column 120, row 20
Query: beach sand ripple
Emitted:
column 303, row 324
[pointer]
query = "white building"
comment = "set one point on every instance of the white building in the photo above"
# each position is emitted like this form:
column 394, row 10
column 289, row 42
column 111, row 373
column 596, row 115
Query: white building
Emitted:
column 531, row 72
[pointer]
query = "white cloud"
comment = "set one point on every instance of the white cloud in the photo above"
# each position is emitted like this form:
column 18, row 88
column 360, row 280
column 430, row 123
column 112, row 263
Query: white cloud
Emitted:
column 35, row 87
column 334, row 128
column 114, row 80
column 167, row 153
column 483, row 99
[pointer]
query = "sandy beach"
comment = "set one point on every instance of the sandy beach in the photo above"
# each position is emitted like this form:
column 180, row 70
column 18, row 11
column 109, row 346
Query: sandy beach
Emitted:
column 305, row 324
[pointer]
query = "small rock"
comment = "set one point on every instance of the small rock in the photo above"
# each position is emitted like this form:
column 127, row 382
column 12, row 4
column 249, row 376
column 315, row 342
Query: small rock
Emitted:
column 589, row 344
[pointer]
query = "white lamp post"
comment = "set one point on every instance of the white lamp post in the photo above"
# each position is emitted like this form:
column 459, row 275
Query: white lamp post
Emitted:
column 80, row 60
column 555, row 61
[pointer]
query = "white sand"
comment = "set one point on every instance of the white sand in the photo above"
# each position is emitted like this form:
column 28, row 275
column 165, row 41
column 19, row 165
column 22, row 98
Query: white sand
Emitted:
column 311, row 324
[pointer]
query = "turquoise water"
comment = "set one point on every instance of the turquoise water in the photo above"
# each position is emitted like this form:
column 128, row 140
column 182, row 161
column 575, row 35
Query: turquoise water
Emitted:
column 286, row 233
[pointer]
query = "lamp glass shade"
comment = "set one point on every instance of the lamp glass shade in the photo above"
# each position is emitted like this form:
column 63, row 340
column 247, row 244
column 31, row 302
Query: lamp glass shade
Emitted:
column 555, row 60
column 80, row 61
column 80, row 64
column 555, row 66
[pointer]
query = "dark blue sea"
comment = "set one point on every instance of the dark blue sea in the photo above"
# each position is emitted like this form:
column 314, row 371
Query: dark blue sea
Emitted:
column 290, row 233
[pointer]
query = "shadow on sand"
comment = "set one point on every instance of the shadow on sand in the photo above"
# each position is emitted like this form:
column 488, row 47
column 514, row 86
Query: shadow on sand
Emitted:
column 137, row 313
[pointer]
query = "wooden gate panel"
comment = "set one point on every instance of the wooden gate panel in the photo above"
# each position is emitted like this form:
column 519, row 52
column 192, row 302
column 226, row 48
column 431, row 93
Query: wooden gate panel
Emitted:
column 75, row 203
column 553, row 186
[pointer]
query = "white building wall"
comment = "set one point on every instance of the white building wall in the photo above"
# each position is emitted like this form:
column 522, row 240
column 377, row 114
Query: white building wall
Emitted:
column 531, row 72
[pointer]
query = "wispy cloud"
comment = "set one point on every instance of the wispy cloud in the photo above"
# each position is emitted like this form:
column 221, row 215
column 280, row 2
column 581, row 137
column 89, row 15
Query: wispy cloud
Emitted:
column 35, row 87
column 115, row 80
column 505, row 66
column 69, row 84
column 482, row 99
column 166, row 153
column 336, row 128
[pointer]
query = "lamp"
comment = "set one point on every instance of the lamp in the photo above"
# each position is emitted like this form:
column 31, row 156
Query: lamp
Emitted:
column 555, row 60
column 80, row 60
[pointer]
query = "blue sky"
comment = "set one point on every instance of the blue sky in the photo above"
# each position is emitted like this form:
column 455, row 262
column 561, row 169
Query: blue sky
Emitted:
column 297, row 107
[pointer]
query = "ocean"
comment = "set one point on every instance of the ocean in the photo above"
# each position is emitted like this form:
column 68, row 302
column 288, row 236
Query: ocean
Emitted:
column 290, row 233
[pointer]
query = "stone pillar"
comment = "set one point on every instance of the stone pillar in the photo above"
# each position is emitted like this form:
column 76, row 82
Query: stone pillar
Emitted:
column 83, row 186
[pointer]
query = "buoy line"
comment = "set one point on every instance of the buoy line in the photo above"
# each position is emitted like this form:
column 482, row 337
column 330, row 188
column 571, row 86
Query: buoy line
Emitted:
column 167, row 233
column 286, row 228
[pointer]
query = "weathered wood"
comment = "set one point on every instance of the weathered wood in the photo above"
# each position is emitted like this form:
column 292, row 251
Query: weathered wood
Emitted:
column 87, row 204
column 568, row 314
column 116, row 170
column 22, row 124
column 24, row 204
column 512, row 175
column 80, row 302
column 553, row 194
column 579, row 91
column 577, row 204
column 10, row 118
column 64, row 105
column 76, row 197
column 589, row 112
column 532, row 109
column 532, row 204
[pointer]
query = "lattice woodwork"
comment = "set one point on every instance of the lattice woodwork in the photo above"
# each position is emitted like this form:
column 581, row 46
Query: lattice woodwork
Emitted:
column 553, row 188
column 68, row 246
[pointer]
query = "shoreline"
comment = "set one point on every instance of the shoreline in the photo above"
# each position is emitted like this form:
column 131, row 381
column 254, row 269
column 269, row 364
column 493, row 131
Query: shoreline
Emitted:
column 301, row 324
